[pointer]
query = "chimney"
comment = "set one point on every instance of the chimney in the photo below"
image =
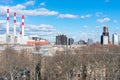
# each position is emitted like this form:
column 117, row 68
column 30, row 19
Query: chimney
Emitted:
column 14, row 23
column 21, row 29
column 22, row 25
column 7, row 20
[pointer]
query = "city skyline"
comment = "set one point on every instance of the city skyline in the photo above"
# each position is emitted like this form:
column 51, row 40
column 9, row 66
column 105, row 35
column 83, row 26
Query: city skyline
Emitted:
column 78, row 19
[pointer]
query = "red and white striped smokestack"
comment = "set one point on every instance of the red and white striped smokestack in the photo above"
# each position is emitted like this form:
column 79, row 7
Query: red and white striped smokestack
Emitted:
column 7, row 19
column 14, row 23
column 21, row 29
column 22, row 25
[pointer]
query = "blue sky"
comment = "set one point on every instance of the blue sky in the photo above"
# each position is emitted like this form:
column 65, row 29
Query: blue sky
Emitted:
column 80, row 19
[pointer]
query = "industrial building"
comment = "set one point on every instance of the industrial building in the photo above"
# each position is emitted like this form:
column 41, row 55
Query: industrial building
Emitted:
column 13, row 38
column 18, row 37
column 105, row 36
column 70, row 41
column 61, row 40
column 115, row 39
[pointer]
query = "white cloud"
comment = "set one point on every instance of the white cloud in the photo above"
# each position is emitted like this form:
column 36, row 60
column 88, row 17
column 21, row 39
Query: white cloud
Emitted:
column 2, row 21
column 42, row 27
column 68, row 16
column 117, row 28
column 43, row 30
column 98, row 14
column 42, row 4
column 29, row 3
column 40, row 30
column 115, row 21
column 21, row 9
column 6, row 1
column 106, row 19
column 89, row 34
column 85, row 26
column 97, row 26
column 85, row 16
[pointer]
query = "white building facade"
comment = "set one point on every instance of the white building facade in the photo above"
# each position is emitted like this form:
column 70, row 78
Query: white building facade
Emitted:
column 105, row 40
column 115, row 39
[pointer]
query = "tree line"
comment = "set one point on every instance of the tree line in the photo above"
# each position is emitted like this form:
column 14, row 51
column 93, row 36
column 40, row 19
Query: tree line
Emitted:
column 95, row 62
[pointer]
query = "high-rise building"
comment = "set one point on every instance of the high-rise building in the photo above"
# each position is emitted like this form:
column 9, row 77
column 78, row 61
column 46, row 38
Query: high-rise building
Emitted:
column 105, row 36
column 61, row 40
column 115, row 40
column 105, row 40
column 90, row 41
column 70, row 41
column 81, row 42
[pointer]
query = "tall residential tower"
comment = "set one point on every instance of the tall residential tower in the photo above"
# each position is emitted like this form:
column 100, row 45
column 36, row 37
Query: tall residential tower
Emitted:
column 105, row 36
column 115, row 39
column 61, row 40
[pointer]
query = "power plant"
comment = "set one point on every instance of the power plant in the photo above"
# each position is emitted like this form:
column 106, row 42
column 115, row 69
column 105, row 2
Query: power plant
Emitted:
column 18, row 37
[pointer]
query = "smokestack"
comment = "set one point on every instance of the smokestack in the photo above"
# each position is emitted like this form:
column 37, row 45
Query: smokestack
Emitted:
column 14, row 23
column 7, row 19
column 21, row 29
column 22, row 25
